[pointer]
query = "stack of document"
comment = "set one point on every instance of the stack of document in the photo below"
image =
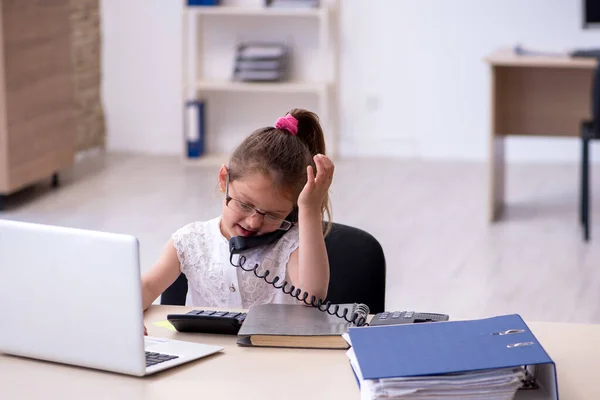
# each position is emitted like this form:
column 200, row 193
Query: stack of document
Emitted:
column 487, row 359
column 501, row 384
column 493, row 385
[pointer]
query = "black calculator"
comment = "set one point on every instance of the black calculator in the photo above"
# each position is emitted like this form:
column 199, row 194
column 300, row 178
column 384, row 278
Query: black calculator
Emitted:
column 207, row 321
column 405, row 317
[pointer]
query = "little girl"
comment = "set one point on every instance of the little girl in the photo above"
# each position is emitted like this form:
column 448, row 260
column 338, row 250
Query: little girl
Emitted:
column 275, row 174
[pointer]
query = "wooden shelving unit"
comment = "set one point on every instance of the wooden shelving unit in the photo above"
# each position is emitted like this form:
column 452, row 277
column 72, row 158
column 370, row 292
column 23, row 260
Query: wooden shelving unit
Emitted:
column 197, row 84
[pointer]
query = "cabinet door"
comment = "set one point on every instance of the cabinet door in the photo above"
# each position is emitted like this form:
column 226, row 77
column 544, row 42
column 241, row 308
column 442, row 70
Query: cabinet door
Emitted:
column 39, row 97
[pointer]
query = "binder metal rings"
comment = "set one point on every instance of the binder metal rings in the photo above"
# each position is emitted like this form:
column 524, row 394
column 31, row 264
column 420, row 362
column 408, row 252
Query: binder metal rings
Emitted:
column 522, row 344
column 508, row 332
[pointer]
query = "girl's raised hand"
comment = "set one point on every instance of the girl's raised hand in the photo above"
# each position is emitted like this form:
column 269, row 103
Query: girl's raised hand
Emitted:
column 316, row 187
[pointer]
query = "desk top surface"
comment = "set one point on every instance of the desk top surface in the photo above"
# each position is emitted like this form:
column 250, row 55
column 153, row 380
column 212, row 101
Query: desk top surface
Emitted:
column 268, row 373
column 508, row 58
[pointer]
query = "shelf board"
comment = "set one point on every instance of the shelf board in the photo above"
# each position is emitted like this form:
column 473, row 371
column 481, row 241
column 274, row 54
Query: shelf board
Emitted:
column 207, row 160
column 270, row 87
column 257, row 11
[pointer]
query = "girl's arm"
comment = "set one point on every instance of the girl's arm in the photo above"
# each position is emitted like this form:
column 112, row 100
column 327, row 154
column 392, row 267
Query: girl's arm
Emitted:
column 308, row 267
column 162, row 274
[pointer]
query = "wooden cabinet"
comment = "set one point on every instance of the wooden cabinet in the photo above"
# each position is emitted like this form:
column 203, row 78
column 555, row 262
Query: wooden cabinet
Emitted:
column 37, row 120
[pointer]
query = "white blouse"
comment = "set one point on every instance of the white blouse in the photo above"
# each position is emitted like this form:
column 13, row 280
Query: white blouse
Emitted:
column 203, row 254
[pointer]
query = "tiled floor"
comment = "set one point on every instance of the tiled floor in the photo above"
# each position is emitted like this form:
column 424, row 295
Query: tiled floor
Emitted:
column 430, row 217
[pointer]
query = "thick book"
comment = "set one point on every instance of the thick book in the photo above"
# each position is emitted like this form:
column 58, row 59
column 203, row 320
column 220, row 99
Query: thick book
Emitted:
column 300, row 326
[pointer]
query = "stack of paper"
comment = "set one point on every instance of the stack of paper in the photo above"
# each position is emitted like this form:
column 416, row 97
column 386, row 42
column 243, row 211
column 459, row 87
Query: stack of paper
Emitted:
column 500, row 384
column 479, row 359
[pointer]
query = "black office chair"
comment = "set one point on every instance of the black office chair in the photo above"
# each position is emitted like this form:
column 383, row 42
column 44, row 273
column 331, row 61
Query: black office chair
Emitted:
column 590, row 130
column 357, row 271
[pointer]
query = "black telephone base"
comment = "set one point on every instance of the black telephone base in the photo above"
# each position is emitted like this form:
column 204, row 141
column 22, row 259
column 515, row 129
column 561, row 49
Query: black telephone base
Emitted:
column 405, row 317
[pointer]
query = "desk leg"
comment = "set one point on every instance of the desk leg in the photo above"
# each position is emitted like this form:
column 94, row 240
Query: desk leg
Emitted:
column 496, row 190
column 496, row 161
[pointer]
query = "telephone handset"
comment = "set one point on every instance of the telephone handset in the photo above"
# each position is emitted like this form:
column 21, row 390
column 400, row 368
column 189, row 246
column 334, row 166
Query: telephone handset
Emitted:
column 238, row 244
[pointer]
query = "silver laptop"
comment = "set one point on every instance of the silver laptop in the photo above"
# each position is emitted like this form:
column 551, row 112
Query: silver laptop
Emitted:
column 74, row 296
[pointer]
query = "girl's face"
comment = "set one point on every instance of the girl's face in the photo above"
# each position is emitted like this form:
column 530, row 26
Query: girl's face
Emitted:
column 251, row 192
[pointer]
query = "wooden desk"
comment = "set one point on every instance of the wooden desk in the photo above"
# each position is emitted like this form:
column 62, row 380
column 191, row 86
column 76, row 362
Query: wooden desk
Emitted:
column 263, row 373
column 533, row 96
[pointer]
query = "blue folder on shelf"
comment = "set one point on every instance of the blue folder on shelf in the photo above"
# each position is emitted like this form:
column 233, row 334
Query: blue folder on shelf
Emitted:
column 425, row 349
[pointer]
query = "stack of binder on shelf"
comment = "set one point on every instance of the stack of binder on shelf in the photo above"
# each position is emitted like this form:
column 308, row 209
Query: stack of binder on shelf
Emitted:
column 260, row 62
column 493, row 358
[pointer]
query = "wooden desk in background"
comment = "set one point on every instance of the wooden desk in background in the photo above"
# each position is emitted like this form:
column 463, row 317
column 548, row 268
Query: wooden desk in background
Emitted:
column 533, row 96
column 267, row 373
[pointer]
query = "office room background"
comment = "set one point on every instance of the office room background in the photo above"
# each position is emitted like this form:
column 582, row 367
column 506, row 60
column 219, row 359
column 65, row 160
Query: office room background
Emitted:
column 410, row 125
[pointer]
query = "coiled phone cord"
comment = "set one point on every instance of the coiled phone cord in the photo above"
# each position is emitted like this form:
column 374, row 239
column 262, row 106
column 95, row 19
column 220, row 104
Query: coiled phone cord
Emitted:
column 356, row 319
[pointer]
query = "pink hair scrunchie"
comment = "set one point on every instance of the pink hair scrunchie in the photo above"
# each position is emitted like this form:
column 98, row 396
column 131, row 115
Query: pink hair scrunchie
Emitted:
column 288, row 123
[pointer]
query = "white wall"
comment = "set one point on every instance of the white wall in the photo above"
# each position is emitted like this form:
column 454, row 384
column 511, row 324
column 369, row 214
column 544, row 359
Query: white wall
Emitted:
column 141, row 61
column 413, row 80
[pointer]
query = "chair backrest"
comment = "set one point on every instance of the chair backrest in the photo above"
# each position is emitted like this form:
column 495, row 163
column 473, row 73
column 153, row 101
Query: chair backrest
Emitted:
column 596, row 95
column 175, row 294
column 357, row 270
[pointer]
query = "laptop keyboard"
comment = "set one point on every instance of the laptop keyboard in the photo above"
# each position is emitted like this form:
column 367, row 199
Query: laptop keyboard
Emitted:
column 157, row 358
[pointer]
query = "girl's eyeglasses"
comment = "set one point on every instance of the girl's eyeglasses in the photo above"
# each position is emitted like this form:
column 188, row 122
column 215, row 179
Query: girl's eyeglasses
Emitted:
column 246, row 210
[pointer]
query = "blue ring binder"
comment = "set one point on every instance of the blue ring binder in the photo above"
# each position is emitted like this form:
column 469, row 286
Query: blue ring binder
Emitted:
column 194, row 128
column 455, row 347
